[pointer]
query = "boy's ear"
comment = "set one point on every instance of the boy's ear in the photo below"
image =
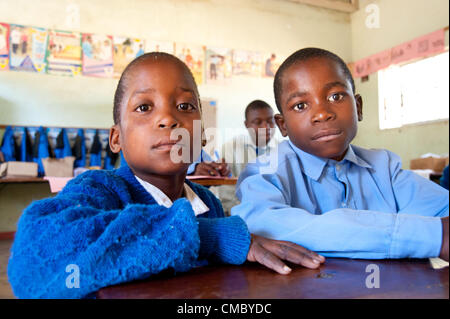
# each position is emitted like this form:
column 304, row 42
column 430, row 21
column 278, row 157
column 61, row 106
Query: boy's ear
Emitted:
column 279, row 119
column 359, row 105
column 114, row 139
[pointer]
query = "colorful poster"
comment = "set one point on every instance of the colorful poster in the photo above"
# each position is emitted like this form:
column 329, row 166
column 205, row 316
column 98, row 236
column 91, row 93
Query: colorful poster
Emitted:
column 4, row 46
column 247, row 63
column 160, row 46
column 64, row 53
column 219, row 65
column 271, row 65
column 27, row 48
column 97, row 55
column 125, row 51
column 194, row 57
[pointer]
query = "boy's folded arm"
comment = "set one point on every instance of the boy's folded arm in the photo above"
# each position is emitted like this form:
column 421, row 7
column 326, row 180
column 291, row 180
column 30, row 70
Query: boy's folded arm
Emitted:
column 108, row 246
column 415, row 194
column 338, row 233
column 226, row 239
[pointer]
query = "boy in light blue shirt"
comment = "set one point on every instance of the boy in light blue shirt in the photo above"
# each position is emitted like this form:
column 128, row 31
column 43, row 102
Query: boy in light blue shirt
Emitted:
column 334, row 198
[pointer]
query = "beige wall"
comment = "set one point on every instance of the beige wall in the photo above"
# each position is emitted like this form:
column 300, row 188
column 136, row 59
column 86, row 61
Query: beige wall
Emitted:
column 264, row 25
column 400, row 21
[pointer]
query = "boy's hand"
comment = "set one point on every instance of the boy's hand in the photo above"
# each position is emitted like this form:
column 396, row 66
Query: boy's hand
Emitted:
column 269, row 253
column 212, row 169
column 444, row 247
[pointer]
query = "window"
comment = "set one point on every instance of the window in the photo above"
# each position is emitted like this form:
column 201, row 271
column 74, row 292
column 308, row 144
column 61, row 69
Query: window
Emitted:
column 414, row 93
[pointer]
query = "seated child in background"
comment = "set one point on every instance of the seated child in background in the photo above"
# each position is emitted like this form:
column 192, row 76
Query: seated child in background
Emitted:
column 334, row 198
column 115, row 226
column 244, row 149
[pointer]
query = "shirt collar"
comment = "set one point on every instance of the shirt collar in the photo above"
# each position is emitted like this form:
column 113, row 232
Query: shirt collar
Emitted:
column 313, row 166
column 198, row 206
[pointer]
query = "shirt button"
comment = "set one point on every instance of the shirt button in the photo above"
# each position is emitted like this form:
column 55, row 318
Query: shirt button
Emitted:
column 344, row 205
column 338, row 167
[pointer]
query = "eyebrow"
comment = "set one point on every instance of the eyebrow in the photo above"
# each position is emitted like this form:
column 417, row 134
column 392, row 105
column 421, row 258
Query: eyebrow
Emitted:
column 334, row 84
column 152, row 90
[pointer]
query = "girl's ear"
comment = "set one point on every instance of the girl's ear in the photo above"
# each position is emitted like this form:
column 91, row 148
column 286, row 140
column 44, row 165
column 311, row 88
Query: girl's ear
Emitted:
column 279, row 119
column 114, row 139
column 359, row 105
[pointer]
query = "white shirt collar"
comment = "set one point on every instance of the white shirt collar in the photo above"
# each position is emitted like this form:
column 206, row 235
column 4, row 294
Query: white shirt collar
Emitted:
column 198, row 206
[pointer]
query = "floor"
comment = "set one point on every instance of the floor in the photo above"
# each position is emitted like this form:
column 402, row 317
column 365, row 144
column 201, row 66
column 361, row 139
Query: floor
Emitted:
column 5, row 288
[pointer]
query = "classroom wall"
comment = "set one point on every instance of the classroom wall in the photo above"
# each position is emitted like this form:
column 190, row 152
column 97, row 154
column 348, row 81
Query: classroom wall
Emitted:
column 264, row 25
column 260, row 25
column 400, row 21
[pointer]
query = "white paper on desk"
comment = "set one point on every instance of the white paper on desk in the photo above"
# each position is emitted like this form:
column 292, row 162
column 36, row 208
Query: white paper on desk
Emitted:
column 57, row 183
column 438, row 263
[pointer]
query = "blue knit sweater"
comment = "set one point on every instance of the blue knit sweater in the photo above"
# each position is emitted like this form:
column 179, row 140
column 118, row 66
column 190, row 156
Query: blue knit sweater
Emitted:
column 111, row 228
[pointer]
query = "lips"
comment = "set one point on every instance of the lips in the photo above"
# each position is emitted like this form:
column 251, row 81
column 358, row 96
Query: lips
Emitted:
column 327, row 135
column 165, row 144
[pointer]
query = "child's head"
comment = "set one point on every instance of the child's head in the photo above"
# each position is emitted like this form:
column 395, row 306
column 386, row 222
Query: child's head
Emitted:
column 315, row 94
column 259, row 118
column 156, row 94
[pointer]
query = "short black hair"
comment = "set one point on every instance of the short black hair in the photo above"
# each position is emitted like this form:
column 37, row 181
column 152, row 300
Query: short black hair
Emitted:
column 256, row 105
column 302, row 56
column 122, row 84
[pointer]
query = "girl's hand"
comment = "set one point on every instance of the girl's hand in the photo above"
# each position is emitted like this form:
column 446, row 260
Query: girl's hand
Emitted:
column 270, row 253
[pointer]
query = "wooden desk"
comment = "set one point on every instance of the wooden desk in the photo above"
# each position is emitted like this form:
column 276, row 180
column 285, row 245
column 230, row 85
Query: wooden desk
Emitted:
column 337, row 278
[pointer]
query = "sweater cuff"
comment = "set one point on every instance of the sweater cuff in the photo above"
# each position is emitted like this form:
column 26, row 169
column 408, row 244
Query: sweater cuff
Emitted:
column 225, row 239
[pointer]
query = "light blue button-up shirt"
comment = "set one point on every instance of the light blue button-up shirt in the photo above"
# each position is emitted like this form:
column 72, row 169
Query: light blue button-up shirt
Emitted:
column 365, row 206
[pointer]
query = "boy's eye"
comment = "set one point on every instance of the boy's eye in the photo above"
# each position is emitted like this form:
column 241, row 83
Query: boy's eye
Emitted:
column 143, row 108
column 186, row 107
column 300, row 106
column 335, row 97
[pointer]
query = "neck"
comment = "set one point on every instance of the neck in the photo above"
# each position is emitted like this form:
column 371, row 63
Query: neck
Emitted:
column 171, row 185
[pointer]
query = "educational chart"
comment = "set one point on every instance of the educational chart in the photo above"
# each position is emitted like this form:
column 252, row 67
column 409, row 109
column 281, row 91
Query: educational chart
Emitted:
column 4, row 46
column 125, row 51
column 160, row 46
column 194, row 57
column 97, row 55
column 247, row 63
column 27, row 48
column 219, row 65
column 64, row 53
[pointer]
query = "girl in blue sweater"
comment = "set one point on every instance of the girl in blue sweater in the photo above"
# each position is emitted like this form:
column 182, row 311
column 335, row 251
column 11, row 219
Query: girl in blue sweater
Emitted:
column 112, row 226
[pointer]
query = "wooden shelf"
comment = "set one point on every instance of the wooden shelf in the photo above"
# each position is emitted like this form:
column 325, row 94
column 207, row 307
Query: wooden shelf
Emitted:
column 18, row 179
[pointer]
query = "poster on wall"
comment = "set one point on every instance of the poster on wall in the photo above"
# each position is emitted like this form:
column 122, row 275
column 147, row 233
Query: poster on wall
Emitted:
column 97, row 53
column 126, row 50
column 27, row 48
column 194, row 57
column 219, row 65
column 64, row 53
column 4, row 46
column 160, row 46
column 271, row 64
column 247, row 63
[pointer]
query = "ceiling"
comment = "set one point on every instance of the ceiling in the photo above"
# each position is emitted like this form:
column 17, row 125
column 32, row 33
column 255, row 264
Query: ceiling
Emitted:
column 338, row 5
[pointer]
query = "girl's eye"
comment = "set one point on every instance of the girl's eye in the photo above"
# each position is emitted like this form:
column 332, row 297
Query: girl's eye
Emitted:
column 336, row 97
column 186, row 107
column 300, row 106
column 143, row 108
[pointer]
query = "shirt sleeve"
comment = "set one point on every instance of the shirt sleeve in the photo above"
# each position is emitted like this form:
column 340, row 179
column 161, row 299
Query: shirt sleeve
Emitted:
column 341, row 232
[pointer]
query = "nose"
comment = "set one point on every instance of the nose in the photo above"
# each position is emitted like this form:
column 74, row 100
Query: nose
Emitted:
column 166, row 119
column 322, row 114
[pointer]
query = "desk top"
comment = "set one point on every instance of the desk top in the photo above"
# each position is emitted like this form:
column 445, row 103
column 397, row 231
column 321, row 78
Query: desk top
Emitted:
column 337, row 278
